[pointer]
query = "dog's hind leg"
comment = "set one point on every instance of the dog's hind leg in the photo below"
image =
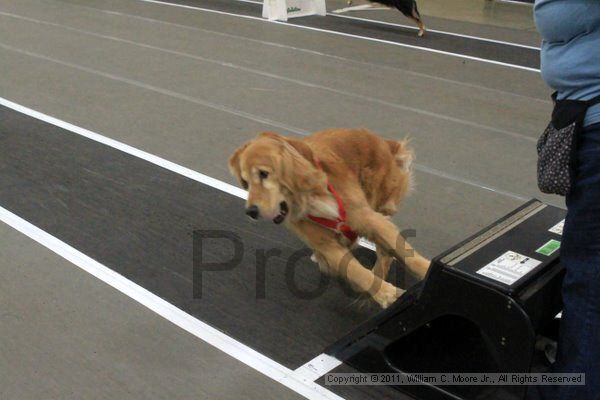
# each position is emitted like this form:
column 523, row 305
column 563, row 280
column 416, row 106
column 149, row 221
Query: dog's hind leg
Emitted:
column 379, row 229
column 342, row 263
column 420, row 24
column 410, row 10
column 383, row 263
column 360, row 278
column 416, row 16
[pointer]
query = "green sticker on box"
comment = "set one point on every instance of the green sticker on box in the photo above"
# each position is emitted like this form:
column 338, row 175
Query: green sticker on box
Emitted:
column 549, row 248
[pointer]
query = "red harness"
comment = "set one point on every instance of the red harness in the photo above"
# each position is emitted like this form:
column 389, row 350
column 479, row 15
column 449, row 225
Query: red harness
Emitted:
column 339, row 224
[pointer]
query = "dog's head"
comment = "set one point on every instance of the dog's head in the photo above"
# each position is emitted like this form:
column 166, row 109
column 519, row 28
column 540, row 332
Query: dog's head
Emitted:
column 279, row 175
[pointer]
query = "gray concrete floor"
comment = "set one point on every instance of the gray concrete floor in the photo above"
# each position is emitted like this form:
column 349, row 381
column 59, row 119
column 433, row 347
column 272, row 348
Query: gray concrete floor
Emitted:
column 190, row 86
column 66, row 335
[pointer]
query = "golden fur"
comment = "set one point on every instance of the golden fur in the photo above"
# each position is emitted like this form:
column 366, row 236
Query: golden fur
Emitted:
column 371, row 175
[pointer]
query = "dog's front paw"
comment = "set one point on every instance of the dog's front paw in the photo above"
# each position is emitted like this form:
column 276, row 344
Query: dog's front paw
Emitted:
column 387, row 295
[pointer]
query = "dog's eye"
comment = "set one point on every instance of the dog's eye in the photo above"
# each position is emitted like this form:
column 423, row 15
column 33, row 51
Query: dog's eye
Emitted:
column 263, row 174
column 244, row 184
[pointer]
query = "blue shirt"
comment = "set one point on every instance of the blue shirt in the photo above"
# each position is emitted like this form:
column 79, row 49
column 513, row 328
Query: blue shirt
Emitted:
column 570, row 56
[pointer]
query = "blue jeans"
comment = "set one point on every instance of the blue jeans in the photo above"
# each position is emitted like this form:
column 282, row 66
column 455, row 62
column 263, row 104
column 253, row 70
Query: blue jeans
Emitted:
column 579, row 337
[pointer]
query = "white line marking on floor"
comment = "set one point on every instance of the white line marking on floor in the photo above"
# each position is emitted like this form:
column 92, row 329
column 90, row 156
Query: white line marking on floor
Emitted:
column 282, row 78
column 317, row 367
column 375, row 21
column 161, row 162
column 252, row 117
column 409, row 46
column 268, row 367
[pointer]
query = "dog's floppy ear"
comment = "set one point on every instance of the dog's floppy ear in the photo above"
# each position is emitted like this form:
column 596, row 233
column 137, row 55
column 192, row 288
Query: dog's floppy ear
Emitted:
column 234, row 163
column 298, row 173
column 301, row 148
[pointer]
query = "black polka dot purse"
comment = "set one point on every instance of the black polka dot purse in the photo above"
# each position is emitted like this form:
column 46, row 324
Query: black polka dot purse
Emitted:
column 557, row 147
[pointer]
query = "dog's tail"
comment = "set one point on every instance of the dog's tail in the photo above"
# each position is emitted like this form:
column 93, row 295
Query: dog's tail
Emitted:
column 403, row 153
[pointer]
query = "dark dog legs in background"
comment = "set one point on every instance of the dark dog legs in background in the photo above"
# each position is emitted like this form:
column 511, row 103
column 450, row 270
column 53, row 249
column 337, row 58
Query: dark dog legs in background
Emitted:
column 406, row 7
column 410, row 10
column 416, row 16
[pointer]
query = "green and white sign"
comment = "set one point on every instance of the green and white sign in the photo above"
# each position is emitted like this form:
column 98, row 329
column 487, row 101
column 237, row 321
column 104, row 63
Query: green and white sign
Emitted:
column 549, row 248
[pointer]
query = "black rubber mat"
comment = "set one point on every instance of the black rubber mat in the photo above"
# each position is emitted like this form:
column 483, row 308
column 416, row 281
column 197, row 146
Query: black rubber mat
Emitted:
column 499, row 52
column 139, row 220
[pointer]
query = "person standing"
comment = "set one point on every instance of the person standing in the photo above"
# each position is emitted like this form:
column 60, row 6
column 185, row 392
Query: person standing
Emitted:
column 570, row 64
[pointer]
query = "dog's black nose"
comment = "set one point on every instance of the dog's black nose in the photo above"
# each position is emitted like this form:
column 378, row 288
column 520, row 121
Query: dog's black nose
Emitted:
column 252, row 212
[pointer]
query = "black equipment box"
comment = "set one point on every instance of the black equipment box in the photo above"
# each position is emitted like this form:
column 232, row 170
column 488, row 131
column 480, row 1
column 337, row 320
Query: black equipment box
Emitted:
column 479, row 309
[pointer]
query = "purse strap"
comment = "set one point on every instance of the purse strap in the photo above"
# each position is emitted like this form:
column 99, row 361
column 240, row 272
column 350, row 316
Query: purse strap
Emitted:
column 593, row 102
column 567, row 111
column 589, row 103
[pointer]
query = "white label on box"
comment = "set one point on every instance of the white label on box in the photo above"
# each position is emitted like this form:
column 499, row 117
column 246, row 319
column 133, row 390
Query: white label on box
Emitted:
column 558, row 228
column 509, row 267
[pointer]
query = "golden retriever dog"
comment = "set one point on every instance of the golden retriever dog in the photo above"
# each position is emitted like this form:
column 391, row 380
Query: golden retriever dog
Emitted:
column 329, row 188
